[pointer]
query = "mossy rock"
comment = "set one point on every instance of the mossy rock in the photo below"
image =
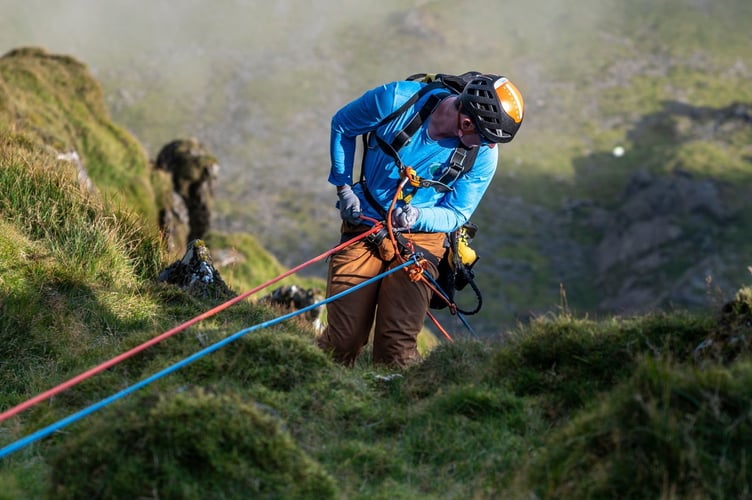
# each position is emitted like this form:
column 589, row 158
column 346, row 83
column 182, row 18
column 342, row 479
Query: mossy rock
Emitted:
column 192, row 444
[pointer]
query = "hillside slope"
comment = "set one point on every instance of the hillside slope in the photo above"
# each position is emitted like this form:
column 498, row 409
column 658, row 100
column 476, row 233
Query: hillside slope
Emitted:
column 652, row 406
column 667, row 81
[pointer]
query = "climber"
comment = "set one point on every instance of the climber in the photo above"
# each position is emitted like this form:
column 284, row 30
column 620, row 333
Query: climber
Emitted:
column 422, row 132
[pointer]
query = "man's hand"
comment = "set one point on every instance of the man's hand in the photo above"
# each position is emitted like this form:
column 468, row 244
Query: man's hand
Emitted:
column 405, row 217
column 349, row 205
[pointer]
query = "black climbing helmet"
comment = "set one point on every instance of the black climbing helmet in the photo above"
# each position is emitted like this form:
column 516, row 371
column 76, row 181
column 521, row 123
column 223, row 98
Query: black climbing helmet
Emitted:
column 495, row 105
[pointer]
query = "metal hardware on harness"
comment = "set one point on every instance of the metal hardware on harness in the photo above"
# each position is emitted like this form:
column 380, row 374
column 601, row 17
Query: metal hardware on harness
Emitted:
column 458, row 157
column 415, row 271
column 411, row 176
column 374, row 240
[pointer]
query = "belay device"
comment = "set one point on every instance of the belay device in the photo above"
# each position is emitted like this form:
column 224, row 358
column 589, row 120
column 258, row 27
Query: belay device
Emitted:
column 456, row 269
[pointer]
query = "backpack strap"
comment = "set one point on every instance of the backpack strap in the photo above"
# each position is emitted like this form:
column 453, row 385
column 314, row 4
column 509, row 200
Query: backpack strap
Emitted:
column 403, row 136
column 415, row 98
column 462, row 160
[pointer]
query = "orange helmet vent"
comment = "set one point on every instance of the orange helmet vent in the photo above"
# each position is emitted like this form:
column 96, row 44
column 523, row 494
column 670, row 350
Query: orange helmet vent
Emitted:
column 511, row 99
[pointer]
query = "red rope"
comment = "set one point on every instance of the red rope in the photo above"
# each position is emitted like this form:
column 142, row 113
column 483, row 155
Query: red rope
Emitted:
column 97, row 369
column 438, row 325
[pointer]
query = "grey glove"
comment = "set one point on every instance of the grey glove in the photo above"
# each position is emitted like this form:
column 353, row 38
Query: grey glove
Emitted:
column 349, row 205
column 405, row 217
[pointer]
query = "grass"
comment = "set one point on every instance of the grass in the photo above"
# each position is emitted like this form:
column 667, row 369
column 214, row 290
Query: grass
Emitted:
column 55, row 100
column 242, row 450
column 667, row 430
column 484, row 418
column 564, row 406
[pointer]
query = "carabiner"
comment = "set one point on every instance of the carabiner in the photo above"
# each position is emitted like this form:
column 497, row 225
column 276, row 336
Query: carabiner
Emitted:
column 415, row 271
column 411, row 176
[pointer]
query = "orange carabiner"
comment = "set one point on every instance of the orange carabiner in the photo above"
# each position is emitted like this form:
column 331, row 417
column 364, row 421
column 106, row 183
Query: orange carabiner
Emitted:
column 411, row 176
column 415, row 271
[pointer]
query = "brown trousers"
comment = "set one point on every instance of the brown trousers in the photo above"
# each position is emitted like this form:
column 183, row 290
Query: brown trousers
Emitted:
column 397, row 304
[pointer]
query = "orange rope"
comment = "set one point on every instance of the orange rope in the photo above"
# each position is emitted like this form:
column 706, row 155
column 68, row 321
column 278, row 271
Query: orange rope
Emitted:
column 388, row 221
column 438, row 325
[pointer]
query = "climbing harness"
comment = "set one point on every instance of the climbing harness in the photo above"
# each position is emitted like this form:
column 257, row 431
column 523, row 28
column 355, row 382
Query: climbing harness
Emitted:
column 455, row 266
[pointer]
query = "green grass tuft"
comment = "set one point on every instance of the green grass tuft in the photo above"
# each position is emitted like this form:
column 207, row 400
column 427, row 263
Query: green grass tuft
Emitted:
column 668, row 431
column 240, row 451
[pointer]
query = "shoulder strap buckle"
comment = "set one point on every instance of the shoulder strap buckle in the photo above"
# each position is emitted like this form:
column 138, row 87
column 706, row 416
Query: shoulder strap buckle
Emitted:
column 462, row 159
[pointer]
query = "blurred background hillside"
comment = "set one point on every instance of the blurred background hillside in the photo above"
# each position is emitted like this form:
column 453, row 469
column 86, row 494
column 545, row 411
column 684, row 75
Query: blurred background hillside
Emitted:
column 569, row 221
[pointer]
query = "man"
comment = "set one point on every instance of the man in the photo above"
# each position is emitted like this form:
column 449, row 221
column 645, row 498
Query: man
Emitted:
column 489, row 110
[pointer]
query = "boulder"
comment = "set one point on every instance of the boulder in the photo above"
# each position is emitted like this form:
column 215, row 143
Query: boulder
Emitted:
column 194, row 171
column 196, row 274
column 293, row 298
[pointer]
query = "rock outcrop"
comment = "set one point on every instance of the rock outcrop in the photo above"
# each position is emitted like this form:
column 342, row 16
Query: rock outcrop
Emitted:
column 196, row 274
column 660, row 222
column 193, row 173
column 293, row 297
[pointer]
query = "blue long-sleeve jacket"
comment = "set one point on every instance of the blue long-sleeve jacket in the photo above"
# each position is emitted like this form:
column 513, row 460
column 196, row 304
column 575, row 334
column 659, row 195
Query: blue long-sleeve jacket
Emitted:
column 439, row 212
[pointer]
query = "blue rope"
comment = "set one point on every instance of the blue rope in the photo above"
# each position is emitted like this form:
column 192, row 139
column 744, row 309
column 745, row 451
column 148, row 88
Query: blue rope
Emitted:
column 467, row 325
column 46, row 431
